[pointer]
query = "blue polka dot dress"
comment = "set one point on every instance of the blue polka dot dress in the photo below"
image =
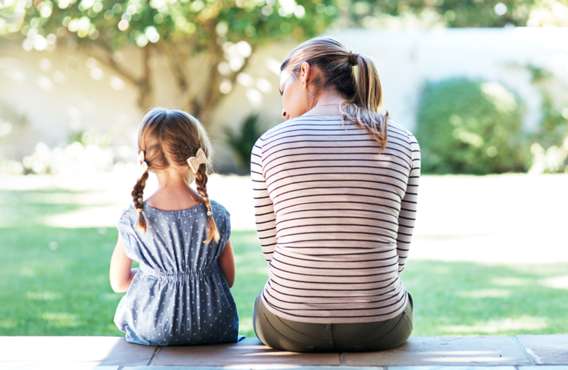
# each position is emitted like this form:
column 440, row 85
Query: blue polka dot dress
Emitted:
column 179, row 296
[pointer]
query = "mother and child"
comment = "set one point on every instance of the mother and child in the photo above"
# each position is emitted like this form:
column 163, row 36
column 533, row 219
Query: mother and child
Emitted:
column 335, row 189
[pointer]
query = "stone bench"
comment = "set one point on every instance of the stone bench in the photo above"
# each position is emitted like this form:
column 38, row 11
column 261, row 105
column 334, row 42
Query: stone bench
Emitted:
column 523, row 352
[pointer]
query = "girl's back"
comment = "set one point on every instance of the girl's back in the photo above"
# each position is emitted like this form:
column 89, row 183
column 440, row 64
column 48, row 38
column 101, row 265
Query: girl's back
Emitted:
column 179, row 295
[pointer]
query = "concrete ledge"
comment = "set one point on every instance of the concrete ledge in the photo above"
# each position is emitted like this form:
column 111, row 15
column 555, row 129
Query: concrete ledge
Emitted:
column 524, row 352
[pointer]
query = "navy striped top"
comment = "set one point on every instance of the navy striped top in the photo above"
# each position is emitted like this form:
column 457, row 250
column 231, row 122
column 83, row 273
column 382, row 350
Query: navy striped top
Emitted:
column 335, row 218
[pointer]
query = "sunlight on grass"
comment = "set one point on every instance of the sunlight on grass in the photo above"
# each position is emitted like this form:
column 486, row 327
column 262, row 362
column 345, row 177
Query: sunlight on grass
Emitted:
column 497, row 326
column 486, row 293
column 54, row 281
column 61, row 320
column 8, row 323
column 511, row 281
column 43, row 296
column 559, row 282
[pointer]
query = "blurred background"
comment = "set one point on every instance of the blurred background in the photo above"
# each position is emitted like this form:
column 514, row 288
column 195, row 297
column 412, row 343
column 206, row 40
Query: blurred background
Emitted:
column 481, row 83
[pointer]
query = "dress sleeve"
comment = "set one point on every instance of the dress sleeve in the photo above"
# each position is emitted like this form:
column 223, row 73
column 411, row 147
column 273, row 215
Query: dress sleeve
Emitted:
column 263, row 206
column 407, row 216
column 224, row 230
column 130, row 239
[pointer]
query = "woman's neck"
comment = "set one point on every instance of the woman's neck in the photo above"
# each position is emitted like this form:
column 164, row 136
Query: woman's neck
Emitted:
column 327, row 104
column 174, row 192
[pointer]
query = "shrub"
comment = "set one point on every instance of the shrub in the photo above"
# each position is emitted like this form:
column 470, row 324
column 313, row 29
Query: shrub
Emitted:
column 470, row 126
column 550, row 143
column 242, row 140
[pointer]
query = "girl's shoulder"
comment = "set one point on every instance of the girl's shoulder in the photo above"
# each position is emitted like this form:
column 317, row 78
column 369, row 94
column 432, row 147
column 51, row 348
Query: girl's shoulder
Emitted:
column 219, row 210
column 128, row 213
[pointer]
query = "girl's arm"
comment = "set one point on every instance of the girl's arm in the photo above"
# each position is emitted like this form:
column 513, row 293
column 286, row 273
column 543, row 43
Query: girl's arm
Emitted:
column 121, row 271
column 226, row 262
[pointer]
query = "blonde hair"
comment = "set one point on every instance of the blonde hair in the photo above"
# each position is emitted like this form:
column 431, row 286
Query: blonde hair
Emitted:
column 361, row 89
column 171, row 137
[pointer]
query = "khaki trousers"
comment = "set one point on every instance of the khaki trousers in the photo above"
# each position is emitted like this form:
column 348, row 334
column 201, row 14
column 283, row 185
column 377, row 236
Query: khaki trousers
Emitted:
column 294, row 336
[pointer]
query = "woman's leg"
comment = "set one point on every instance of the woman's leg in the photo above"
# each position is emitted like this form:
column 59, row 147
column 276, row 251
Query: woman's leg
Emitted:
column 287, row 335
column 375, row 336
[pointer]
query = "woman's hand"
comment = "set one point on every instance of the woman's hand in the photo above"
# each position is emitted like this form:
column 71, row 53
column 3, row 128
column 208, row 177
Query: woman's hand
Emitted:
column 121, row 271
column 226, row 263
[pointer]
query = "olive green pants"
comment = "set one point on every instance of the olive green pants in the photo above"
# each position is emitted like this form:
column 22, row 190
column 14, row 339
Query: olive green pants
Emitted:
column 294, row 336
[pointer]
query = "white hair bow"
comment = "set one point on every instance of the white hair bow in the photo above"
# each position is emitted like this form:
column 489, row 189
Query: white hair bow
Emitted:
column 142, row 165
column 195, row 162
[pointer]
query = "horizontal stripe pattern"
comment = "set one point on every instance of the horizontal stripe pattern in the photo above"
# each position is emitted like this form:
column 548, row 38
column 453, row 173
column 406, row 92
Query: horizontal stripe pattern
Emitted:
column 335, row 218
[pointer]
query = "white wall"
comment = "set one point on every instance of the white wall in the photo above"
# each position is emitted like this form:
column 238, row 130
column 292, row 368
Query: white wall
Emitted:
column 61, row 91
column 406, row 59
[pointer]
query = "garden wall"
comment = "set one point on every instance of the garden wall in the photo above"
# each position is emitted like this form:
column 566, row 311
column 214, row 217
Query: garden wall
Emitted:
column 63, row 90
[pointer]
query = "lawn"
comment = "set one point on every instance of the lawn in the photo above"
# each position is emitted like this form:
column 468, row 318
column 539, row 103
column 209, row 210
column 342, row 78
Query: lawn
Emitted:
column 54, row 281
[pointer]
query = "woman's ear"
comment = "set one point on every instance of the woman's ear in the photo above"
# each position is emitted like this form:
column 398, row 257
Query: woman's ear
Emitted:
column 305, row 74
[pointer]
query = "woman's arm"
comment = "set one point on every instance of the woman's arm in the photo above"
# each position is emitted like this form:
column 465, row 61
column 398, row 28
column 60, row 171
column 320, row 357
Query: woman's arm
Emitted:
column 407, row 216
column 226, row 263
column 121, row 271
column 263, row 206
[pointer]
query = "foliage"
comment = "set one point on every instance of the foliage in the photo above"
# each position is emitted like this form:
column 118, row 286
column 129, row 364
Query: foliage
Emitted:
column 550, row 143
column 553, row 126
column 467, row 126
column 220, row 34
column 54, row 281
column 452, row 13
column 242, row 141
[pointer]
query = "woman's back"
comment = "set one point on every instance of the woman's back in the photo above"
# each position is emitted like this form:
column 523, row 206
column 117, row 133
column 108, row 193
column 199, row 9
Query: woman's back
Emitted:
column 179, row 295
column 335, row 216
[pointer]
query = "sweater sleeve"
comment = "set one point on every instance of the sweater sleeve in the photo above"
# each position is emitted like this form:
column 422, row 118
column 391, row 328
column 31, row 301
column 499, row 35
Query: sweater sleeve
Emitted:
column 407, row 216
column 263, row 206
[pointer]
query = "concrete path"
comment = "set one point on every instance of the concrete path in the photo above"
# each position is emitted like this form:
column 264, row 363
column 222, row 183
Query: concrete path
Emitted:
column 523, row 352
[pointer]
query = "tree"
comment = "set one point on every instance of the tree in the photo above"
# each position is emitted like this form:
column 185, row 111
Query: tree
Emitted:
column 452, row 13
column 222, row 34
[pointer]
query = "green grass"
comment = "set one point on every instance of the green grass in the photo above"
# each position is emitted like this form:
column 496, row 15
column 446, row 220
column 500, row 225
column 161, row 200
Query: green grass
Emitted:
column 54, row 281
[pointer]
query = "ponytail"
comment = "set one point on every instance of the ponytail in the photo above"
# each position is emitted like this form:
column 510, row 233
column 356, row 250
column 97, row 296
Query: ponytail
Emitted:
column 354, row 76
column 363, row 109
column 201, row 182
column 138, row 199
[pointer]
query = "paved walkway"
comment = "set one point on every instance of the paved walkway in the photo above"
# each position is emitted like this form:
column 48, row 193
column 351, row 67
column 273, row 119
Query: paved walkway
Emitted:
column 523, row 352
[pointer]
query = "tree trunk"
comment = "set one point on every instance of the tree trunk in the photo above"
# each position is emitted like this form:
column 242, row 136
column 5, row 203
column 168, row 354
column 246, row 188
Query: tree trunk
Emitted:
column 145, row 89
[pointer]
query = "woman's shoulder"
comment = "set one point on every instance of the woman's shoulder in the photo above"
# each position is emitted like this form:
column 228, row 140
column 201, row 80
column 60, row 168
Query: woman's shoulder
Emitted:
column 298, row 122
column 396, row 130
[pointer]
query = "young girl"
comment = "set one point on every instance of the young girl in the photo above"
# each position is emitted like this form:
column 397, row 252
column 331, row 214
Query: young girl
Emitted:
column 180, row 293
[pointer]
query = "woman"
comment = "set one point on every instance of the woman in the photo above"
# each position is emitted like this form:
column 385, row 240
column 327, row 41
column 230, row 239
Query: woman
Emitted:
column 335, row 196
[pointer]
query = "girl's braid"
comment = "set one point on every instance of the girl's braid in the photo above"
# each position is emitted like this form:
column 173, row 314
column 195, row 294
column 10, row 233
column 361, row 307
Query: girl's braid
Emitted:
column 201, row 182
column 138, row 199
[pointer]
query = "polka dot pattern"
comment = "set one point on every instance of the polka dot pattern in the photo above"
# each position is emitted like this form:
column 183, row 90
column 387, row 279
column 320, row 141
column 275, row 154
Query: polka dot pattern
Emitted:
column 179, row 295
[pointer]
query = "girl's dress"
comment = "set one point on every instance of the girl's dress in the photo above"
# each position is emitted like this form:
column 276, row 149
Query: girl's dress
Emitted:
column 179, row 296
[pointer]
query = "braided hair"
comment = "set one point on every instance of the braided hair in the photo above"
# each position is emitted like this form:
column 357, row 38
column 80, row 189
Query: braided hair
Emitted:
column 170, row 137
column 201, row 182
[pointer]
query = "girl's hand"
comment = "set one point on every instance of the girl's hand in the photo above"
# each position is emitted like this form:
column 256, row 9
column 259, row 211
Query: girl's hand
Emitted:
column 226, row 263
column 121, row 271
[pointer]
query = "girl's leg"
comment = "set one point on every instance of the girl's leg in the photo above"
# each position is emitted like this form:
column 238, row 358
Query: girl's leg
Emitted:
column 287, row 335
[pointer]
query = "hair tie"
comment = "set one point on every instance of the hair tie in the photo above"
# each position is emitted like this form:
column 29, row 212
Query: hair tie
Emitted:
column 195, row 162
column 352, row 57
column 209, row 213
column 139, row 210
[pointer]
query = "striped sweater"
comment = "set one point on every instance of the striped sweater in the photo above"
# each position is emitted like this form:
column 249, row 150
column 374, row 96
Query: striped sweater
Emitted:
column 335, row 218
